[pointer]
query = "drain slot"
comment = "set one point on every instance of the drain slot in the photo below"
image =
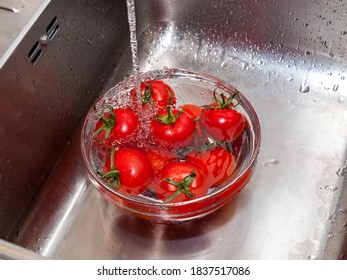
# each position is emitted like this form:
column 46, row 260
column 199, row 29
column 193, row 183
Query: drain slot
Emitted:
column 36, row 51
column 33, row 49
column 51, row 24
column 36, row 56
column 53, row 32
column 52, row 28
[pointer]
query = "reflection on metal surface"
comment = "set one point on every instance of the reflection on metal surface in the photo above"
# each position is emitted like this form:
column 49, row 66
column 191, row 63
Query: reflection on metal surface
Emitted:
column 9, row 251
column 55, row 240
column 9, row 9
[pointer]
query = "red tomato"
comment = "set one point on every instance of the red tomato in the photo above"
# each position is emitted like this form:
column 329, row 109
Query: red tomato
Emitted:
column 192, row 110
column 172, row 129
column 222, row 124
column 116, row 126
column 159, row 158
column 221, row 121
column 217, row 163
column 158, row 93
column 128, row 170
column 181, row 181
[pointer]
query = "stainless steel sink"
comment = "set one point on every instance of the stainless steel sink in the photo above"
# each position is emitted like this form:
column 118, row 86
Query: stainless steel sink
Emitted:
column 288, row 58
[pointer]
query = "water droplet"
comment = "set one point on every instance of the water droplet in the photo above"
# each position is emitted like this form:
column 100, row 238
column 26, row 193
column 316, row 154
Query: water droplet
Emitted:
column 342, row 171
column 244, row 65
column 331, row 188
column 271, row 162
column 329, row 216
column 335, row 87
column 330, row 235
column 289, row 79
column 312, row 257
column 341, row 99
column 224, row 64
column 304, row 88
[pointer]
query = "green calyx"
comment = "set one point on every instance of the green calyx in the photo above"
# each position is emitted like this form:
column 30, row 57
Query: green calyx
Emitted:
column 223, row 102
column 107, row 123
column 182, row 186
column 147, row 94
column 169, row 117
column 111, row 177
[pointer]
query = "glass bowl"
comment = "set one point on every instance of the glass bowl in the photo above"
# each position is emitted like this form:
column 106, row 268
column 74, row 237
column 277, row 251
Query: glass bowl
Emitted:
column 189, row 87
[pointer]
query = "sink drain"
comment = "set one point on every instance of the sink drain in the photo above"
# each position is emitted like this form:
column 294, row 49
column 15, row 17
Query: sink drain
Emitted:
column 36, row 51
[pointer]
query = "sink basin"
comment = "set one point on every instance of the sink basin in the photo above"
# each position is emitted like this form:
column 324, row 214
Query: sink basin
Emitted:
column 289, row 60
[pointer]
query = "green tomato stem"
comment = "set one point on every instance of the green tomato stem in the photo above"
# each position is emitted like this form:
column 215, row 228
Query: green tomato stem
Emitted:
column 111, row 177
column 107, row 123
column 182, row 186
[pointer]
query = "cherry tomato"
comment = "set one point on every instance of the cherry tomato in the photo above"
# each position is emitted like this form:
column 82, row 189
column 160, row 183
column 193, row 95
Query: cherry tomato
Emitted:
column 217, row 163
column 127, row 170
column 221, row 121
column 172, row 129
column 195, row 112
column 117, row 125
column 156, row 93
column 181, row 181
column 192, row 110
column 159, row 158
